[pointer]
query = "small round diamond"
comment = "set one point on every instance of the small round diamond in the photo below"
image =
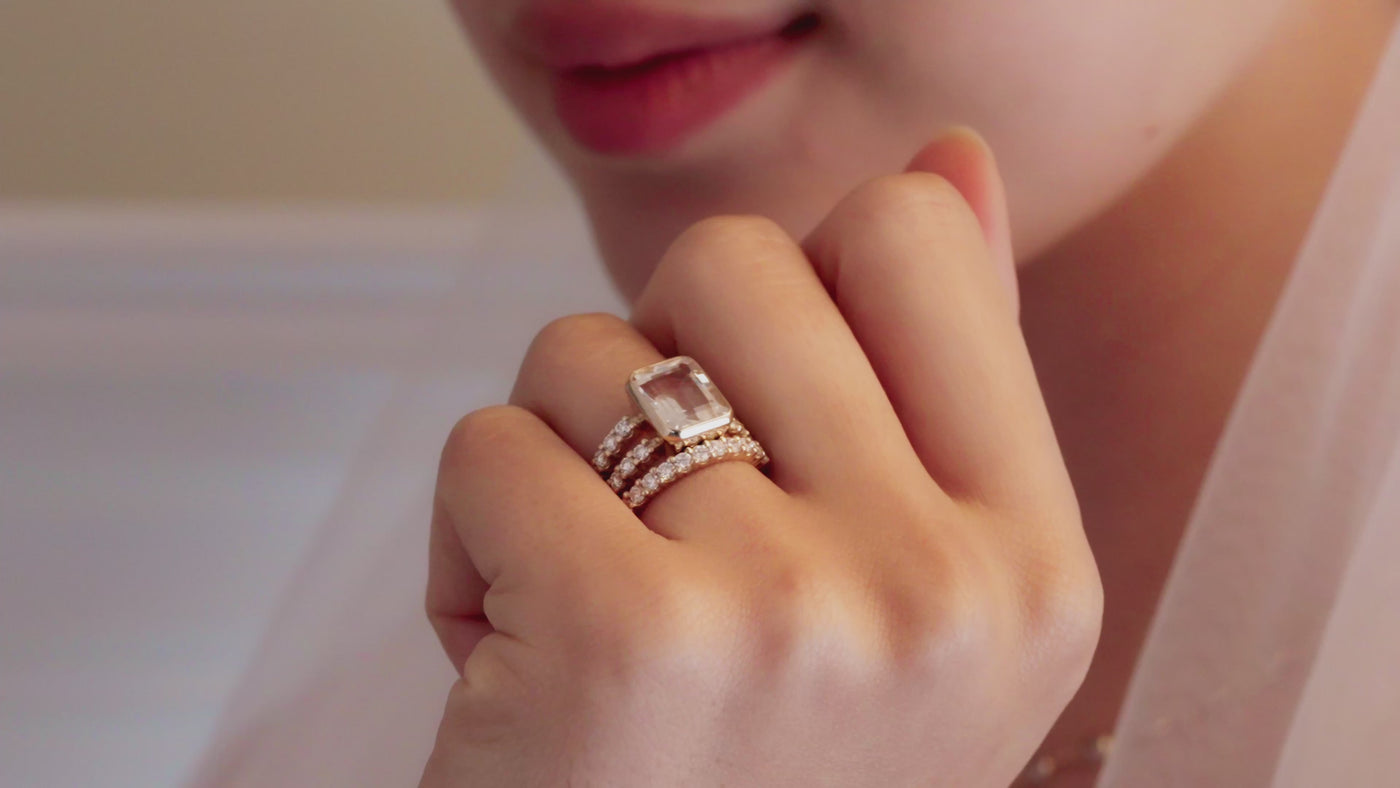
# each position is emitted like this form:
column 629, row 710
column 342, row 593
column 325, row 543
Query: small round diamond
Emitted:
column 701, row 454
column 682, row 461
column 718, row 449
column 610, row 443
column 666, row 471
column 649, row 482
column 627, row 467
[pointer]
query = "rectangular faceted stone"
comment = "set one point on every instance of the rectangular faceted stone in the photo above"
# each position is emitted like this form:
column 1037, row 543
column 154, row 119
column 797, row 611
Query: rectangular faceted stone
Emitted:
column 679, row 399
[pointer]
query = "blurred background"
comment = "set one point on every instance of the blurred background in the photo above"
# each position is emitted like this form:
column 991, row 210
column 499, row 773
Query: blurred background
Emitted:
column 257, row 100
column 255, row 259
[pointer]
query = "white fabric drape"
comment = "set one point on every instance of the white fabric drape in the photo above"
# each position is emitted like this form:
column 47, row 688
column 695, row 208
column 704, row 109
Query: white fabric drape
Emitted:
column 1274, row 655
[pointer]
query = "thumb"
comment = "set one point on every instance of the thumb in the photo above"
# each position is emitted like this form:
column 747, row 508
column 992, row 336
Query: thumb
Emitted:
column 962, row 157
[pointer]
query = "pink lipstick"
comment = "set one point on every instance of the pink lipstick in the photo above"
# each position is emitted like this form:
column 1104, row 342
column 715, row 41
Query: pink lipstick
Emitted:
column 630, row 82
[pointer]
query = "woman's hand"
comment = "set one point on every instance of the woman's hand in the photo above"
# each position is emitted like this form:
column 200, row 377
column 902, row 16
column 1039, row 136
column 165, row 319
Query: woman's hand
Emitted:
column 907, row 598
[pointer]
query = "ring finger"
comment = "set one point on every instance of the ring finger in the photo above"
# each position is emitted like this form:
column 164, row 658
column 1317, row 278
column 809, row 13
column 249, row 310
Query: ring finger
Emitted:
column 573, row 378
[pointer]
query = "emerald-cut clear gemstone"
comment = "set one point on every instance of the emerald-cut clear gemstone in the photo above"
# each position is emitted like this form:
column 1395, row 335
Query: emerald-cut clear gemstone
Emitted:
column 679, row 399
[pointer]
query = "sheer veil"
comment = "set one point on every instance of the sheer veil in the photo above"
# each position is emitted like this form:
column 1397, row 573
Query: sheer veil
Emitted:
column 1272, row 658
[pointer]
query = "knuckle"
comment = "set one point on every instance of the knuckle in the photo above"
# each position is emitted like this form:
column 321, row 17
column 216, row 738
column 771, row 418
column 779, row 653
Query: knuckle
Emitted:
column 919, row 614
column 1063, row 611
column 942, row 601
column 572, row 331
column 794, row 602
column 891, row 211
column 476, row 436
column 659, row 625
column 572, row 338
column 714, row 251
column 910, row 198
column 727, row 230
column 947, row 619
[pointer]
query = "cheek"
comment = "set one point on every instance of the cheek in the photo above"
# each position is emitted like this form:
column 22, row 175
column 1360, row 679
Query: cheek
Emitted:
column 1078, row 98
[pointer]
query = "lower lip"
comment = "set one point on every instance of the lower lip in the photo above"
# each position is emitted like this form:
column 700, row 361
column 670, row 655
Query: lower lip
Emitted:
column 653, row 107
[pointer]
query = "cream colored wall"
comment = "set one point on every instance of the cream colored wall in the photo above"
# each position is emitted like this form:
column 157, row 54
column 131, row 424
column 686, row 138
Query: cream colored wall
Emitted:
column 236, row 100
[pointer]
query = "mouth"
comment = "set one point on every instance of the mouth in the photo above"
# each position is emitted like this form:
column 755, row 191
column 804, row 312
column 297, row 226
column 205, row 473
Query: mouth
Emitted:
column 627, row 82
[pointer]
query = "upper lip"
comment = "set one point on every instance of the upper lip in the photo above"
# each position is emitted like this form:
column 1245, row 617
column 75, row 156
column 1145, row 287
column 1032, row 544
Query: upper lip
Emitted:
column 567, row 34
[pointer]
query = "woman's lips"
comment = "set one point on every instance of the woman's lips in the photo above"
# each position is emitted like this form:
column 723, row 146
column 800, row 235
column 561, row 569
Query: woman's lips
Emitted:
column 654, row 104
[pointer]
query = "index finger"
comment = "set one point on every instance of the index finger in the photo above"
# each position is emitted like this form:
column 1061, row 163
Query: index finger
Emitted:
column 518, row 512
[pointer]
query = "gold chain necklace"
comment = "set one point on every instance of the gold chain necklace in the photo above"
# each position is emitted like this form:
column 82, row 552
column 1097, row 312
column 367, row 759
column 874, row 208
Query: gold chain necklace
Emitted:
column 1088, row 754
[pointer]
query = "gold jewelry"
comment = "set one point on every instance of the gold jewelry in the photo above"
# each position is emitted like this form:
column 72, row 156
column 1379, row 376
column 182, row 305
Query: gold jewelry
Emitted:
column 602, row 459
column 685, row 424
column 707, row 452
column 637, row 458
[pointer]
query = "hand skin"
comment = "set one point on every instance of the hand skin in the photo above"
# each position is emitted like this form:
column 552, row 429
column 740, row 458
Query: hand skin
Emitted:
column 905, row 596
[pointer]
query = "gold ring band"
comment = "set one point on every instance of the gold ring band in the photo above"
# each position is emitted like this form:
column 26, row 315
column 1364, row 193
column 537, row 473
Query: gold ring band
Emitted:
column 683, row 417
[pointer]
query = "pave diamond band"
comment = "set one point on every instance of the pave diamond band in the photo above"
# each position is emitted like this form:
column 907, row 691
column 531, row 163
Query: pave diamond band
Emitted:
column 706, row 452
column 685, row 424
column 634, row 463
column 613, row 443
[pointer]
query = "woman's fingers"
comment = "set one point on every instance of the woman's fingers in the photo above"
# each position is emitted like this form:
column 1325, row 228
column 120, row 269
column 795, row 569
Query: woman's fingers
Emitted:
column 519, row 512
column 881, row 353
column 892, row 363
column 456, row 592
column 963, row 158
column 738, row 295
column 909, row 267
column 574, row 376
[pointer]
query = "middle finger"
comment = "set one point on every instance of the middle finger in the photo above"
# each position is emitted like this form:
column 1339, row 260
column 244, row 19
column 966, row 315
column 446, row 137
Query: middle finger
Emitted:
column 738, row 295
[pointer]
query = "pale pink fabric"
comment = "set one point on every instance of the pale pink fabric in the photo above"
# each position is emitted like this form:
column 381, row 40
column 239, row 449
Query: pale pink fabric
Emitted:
column 1274, row 657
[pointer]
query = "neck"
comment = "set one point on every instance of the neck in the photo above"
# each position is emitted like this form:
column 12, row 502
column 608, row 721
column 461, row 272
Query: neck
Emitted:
column 1143, row 323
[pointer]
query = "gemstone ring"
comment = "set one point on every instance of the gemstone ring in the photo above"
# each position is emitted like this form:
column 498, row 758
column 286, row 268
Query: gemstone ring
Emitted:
column 685, row 424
